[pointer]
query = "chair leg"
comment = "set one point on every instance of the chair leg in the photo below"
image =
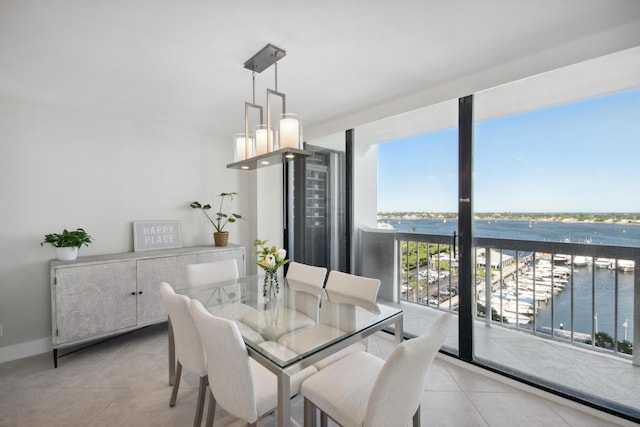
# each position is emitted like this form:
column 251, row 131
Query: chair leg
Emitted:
column 176, row 385
column 172, row 354
column 211, row 412
column 309, row 413
column 416, row 418
column 202, row 393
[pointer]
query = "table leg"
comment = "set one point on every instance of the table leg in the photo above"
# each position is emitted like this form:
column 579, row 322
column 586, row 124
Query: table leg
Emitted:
column 284, row 399
column 398, row 330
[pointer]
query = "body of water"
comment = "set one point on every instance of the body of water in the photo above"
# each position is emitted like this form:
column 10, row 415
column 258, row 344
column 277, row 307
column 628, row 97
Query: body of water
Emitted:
column 593, row 301
column 546, row 231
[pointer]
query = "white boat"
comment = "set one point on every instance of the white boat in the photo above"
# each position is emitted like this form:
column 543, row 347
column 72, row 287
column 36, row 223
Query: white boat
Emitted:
column 561, row 258
column 603, row 262
column 581, row 261
column 626, row 265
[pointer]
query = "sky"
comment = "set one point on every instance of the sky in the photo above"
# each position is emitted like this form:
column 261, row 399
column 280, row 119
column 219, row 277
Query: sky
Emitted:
column 578, row 157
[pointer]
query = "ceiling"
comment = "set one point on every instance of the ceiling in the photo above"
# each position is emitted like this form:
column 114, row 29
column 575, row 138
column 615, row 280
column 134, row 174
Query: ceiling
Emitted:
column 179, row 63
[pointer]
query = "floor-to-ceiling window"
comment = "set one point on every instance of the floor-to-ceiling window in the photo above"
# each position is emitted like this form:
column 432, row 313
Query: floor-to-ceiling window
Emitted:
column 547, row 153
column 556, row 175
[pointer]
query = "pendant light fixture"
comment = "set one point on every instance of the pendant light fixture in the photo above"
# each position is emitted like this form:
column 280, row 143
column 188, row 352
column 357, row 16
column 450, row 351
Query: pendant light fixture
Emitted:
column 267, row 144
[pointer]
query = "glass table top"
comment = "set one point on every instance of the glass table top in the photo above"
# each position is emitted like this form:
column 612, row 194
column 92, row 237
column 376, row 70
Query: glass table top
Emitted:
column 300, row 322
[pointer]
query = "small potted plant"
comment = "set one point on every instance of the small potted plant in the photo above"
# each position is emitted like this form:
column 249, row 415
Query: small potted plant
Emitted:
column 67, row 243
column 220, row 236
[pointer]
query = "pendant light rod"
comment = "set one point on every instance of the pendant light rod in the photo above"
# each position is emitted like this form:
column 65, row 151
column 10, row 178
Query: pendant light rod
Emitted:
column 253, row 76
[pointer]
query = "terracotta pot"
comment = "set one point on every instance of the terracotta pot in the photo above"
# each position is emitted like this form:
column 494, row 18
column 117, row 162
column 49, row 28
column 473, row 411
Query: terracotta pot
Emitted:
column 221, row 238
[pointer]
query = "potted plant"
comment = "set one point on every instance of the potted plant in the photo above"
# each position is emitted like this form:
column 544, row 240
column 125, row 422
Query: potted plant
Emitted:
column 220, row 236
column 67, row 243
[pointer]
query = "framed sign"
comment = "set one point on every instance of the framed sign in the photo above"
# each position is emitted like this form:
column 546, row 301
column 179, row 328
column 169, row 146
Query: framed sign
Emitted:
column 152, row 235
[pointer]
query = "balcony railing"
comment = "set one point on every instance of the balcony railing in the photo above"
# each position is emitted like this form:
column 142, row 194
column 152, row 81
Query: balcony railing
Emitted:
column 583, row 294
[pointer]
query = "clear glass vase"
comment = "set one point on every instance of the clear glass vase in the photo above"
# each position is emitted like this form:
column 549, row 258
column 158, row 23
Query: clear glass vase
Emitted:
column 271, row 286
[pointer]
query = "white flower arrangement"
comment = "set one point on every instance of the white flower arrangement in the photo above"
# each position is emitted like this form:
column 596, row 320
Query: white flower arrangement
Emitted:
column 270, row 259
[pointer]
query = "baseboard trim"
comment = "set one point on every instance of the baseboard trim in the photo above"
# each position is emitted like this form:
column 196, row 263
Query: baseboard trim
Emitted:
column 25, row 349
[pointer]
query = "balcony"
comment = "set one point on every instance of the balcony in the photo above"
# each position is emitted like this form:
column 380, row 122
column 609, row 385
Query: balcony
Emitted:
column 562, row 313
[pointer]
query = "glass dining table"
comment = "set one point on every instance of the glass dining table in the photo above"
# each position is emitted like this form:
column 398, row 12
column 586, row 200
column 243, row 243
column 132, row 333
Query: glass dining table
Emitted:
column 302, row 326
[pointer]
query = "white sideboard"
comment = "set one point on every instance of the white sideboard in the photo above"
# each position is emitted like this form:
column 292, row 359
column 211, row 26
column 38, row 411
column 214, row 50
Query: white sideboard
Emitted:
column 100, row 296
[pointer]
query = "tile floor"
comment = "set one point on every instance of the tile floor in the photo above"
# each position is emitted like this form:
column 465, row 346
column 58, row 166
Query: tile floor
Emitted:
column 593, row 375
column 124, row 382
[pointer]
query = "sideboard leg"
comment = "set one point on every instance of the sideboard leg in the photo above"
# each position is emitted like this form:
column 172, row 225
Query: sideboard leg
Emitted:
column 55, row 358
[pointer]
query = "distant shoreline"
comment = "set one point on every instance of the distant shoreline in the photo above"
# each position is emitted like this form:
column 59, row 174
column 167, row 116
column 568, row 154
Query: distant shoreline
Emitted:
column 567, row 217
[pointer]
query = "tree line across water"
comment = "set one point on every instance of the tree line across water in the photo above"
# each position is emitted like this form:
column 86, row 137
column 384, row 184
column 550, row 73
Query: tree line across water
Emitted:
column 630, row 218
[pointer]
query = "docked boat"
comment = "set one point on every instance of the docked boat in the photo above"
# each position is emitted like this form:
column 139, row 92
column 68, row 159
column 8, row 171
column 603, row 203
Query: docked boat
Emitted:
column 561, row 258
column 626, row 265
column 581, row 261
column 604, row 262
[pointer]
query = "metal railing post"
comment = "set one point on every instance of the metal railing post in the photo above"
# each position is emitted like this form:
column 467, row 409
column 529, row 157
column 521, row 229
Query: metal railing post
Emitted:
column 636, row 313
column 488, row 292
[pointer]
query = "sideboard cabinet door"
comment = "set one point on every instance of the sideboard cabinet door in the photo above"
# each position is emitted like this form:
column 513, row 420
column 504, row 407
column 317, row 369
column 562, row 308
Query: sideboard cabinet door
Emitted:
column 171, row 269
column 94, row 300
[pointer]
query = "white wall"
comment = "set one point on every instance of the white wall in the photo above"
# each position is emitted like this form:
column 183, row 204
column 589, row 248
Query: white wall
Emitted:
column 68, row 169
column 268, row 200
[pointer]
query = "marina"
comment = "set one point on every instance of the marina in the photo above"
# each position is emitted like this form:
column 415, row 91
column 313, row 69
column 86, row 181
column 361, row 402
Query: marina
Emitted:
column 566, row 295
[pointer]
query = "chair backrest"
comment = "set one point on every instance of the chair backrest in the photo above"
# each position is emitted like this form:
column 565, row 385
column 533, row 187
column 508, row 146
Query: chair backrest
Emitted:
column 211, row 272
column 228, row 366
column 189, row 350
column 364, row 288
column 399, row 386
column 308, row 274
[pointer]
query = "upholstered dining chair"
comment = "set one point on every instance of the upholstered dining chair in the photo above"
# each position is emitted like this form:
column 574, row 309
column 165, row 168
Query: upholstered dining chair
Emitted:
column 210, row 272
column 199, row 275
column 308, row 274
column 300, row 310
column 344, row 285
column 225, row 298
column 188, row 347
column 243, row 387
column 364, row 288
column 362, row 390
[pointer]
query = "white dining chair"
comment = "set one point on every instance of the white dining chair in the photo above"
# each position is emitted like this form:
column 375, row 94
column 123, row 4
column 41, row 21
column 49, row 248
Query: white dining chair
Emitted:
column 360, row 287
column 243, row 387
column 300, row 310
column 188, row 347
column 305, row 273
column 337, row 315
column 200, row 275
column 363, row 390
column 211, row 272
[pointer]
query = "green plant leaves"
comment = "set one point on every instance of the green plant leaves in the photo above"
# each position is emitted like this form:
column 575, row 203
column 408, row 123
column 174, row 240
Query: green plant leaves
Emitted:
column 68, row 239
column 222, row 218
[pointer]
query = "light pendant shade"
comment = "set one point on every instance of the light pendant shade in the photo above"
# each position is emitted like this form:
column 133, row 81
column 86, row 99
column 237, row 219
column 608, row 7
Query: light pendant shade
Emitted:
column 290, row 131
column 264, row 139
column 243, row 147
